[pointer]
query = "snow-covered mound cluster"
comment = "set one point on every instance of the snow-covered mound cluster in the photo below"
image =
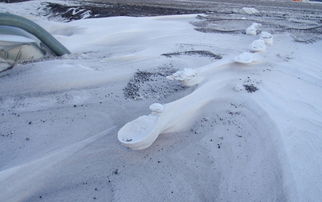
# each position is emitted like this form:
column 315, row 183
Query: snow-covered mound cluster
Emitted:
column 250, row 11
column 246, row 127
column 144, row 138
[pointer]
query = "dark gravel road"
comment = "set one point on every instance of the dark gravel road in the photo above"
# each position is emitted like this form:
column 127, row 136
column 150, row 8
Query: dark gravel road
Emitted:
column 206, row 5
column 302, row 20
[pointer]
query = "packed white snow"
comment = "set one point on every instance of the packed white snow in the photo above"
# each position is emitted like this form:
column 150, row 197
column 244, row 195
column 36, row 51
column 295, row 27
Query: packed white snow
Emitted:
column 246, row 132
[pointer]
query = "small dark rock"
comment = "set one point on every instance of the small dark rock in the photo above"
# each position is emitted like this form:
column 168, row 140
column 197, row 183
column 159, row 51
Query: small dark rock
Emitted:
column 250, row 88
column 116, row 172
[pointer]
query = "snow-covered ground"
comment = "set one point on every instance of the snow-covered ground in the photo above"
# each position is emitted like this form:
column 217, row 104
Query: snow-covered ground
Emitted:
column 237, row 132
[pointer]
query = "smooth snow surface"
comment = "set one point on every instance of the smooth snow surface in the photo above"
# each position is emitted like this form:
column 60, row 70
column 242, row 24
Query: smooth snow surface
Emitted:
column 242, row 132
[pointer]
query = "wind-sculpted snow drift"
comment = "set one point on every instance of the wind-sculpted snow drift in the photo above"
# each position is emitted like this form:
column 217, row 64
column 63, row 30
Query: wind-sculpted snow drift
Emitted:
column 241, row 127
column 143, row 131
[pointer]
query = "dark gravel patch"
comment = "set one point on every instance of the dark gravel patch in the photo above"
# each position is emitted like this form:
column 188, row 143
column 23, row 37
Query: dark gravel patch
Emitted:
column 69, row 13
column 152, row 85
column 250, row 88
column 203, row 53
column 13, row 1
column 303, row 25
column 301, row 20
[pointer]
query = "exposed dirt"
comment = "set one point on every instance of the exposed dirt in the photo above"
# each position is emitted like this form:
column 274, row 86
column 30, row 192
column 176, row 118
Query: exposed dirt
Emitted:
column 70, row 13
column 202, row 53
column 250, row 88
column 152, row 84
column 304, row 25
column 13, row 1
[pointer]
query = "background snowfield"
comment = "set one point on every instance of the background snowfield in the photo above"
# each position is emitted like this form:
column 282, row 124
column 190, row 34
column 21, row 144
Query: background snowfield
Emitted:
column 257, row 138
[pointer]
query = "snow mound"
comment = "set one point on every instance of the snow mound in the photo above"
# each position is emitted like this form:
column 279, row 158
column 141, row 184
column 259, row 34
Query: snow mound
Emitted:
column 156, row 108
column 267, row 37
column 139, row 133
column 188, row 77
column 246, row 58
column 253, row 28
column 258, row 46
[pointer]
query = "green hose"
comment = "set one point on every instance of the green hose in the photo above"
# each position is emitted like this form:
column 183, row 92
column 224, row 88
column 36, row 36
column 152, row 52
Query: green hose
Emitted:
column 46, row 38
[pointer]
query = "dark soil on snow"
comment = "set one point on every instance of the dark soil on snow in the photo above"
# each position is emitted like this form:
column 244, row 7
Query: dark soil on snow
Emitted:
column 13, row 1
column 152, row 84
column 202, row 53
column 70, row 13
column 250, row 88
